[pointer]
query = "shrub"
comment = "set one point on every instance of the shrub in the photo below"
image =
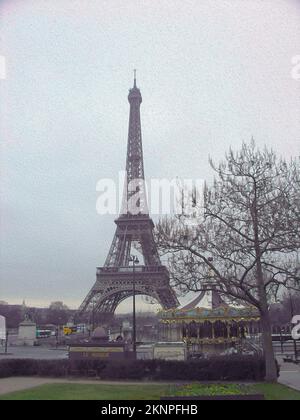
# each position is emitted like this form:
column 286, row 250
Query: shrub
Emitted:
column 235, row 368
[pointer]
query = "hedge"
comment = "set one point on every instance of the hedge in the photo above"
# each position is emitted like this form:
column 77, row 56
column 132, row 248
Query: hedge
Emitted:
column 214, row 369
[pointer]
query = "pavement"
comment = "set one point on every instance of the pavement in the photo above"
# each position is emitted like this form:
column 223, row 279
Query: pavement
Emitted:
column 8, row 385
column 290, row 375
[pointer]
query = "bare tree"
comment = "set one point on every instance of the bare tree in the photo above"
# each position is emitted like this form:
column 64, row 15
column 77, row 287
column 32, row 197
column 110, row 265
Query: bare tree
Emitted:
column 248, row 240
column 282, row 312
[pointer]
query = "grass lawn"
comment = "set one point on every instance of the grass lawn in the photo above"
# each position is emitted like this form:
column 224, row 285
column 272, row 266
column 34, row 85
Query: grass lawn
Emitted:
column 147, row 392
column 89, row 392
column 277, row 392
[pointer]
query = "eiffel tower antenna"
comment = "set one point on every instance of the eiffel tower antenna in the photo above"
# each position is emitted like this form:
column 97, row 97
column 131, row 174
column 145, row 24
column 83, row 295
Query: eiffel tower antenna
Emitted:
column 114, row 281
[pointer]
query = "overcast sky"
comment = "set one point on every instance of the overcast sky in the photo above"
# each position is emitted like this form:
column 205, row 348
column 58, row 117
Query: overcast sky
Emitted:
column 212, row 74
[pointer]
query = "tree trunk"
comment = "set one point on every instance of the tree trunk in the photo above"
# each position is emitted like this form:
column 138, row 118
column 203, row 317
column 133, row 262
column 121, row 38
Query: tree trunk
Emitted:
column 271, row 368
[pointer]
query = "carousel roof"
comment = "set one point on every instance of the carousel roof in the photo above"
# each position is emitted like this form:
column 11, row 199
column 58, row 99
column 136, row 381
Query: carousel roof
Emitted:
column 214, row 308
column 221, row 312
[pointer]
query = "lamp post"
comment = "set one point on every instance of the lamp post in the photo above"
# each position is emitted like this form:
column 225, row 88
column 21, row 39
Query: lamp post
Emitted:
column 93, row 317
column 6, row 341
column 134, row 261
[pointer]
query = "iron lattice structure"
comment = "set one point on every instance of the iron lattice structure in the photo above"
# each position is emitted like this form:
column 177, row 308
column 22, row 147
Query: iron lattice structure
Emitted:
column 114, row 282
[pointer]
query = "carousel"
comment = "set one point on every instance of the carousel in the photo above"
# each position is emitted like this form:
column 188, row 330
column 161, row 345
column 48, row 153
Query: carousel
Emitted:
column 209, row 325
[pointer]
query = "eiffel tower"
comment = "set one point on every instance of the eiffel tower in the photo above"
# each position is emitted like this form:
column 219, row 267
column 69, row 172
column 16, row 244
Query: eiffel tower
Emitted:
column 114, row 282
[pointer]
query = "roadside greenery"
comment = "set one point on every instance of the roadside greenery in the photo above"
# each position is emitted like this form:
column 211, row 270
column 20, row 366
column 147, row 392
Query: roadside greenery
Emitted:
column 70, row 391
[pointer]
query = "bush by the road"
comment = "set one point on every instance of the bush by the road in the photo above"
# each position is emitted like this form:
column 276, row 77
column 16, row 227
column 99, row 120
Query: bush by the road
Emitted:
column 235, row 368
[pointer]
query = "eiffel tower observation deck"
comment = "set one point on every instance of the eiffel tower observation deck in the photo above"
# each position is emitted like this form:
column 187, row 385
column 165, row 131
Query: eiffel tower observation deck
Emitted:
column 134, row 232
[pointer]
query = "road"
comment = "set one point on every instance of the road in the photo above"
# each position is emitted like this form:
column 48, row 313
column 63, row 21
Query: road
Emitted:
column 33, row 353
column 288, row 348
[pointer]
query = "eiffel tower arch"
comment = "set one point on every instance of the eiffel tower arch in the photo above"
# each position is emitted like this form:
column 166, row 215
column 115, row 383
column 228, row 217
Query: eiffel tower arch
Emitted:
column 114, row 281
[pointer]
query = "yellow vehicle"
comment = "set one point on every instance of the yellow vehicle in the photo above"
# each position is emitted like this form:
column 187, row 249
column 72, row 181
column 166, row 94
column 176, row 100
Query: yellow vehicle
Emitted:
column 69, row 330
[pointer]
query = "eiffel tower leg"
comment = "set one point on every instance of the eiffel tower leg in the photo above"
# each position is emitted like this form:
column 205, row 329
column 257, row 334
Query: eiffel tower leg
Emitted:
column 114, row 285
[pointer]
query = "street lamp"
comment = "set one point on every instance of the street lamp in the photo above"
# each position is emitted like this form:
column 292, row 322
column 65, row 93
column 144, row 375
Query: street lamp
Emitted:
column 93, row 316
column 134, row 261
column 6, row 341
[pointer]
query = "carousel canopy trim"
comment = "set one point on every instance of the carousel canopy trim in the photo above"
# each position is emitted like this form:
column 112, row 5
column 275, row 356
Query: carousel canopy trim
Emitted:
column 223, row 312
